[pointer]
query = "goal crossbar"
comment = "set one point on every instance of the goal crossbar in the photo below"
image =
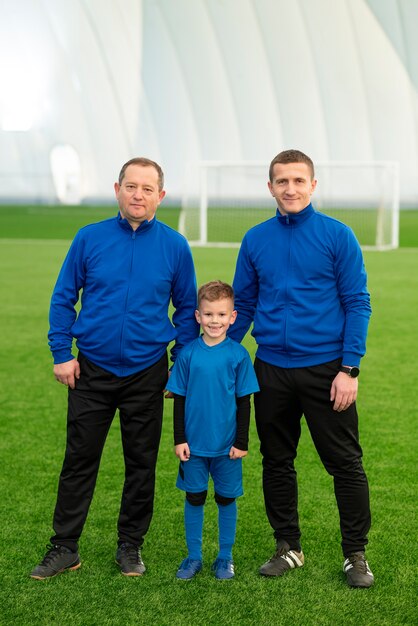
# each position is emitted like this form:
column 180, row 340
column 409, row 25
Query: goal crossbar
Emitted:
column 346, row 189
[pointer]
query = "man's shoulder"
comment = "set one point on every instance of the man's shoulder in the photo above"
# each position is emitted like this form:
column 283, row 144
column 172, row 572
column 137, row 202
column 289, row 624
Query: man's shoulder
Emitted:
column 97, row 227
column 171, row 233
column 334, row 232
column 329, row 222
column 259, row 229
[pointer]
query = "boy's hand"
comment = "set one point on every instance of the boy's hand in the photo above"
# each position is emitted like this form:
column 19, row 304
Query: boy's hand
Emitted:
column 182, row 451
column 236, row 453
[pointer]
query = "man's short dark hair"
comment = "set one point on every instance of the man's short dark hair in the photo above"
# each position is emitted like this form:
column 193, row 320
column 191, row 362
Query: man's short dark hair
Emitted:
column 292, row 156
column 144, row 163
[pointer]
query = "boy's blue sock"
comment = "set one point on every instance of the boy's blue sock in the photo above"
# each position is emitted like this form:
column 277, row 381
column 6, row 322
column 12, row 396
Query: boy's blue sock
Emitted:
column 227, row 520
column 193, row 521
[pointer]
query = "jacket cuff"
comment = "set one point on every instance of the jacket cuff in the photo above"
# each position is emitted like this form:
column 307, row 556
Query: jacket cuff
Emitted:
column 351, row 359
column 62, row 356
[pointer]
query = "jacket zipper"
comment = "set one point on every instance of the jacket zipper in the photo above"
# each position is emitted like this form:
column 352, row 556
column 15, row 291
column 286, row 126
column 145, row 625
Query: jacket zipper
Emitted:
column 133, row 237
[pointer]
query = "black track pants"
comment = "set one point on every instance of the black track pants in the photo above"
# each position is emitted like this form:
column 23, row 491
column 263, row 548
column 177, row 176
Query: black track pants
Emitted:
column 91, row 408
column 285, row 395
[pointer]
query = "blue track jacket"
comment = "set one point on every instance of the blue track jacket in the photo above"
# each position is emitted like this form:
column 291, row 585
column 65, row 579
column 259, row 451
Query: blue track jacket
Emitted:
column 301, row 279
column 127, row 280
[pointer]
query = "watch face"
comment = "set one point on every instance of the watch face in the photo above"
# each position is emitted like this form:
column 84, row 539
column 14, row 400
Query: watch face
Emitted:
column 353, row 372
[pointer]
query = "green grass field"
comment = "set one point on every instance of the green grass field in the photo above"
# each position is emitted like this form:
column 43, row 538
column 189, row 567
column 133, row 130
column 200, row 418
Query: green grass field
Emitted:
column 62, row 222
column 231, row 224
column 32, row 429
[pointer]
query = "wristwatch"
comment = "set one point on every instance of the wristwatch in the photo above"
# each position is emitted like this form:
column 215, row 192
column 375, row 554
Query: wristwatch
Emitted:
column 353, row 372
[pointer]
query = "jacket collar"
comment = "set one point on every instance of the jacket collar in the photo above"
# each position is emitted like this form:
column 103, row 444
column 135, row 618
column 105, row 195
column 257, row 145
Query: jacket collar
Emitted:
column 143, row 227
column 295, row 219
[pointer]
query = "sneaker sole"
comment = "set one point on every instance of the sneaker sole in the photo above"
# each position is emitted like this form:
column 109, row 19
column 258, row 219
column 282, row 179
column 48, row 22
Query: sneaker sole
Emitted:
column 130, row 573
column 283, row 573
column 189, row 577
column 61, row 571
column 364, row 585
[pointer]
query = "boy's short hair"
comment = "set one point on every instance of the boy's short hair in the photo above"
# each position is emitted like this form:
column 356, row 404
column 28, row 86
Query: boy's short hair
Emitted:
column 292, row 156
column 214, row 290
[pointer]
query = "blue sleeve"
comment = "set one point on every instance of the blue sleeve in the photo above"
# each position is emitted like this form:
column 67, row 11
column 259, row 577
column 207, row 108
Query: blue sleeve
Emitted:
column 184, row 299
column 178, row 379
column 62, row 313
column 246, row 382
column 355, row 298
column 245, row 286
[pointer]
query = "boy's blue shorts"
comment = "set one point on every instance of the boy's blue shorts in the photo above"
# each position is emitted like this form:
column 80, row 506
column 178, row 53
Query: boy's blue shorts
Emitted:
column 226, row 474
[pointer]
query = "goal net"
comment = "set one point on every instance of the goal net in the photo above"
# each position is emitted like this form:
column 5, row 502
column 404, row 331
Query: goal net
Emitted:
column 222, row 200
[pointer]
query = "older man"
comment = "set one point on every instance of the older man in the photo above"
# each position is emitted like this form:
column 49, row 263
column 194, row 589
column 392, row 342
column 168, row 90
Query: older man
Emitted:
column 128, row 268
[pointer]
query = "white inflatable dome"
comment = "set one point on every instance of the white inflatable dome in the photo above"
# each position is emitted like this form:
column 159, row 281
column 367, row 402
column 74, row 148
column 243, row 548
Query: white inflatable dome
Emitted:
column 88, row 84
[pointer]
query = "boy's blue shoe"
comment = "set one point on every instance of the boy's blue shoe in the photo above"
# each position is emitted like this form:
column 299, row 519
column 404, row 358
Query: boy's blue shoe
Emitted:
column 188, row 568
column 223, row 569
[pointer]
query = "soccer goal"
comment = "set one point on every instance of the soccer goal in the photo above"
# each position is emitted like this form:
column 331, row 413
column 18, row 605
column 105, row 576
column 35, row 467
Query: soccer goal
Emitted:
column 222, row 200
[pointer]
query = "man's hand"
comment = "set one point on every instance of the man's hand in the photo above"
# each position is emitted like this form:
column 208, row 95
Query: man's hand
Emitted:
column 168, row 394
column 343, row 391
column 236, row 453
column 67, row 372
column 182, row 451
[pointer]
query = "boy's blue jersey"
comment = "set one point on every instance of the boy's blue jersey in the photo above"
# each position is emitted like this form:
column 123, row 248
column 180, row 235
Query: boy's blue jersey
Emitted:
column 211, row 378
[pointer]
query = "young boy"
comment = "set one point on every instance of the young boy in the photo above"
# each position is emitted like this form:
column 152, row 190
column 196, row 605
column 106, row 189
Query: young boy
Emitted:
column 212, row 380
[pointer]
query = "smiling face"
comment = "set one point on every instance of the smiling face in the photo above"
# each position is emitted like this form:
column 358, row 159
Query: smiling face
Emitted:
column 138, row 194
column 292, row 186
column 215, row 317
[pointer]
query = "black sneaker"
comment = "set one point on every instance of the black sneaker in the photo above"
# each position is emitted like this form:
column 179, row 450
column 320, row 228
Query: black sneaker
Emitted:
column 357, row 571
column 282, row 560
column 56, row 560
column 129, row 559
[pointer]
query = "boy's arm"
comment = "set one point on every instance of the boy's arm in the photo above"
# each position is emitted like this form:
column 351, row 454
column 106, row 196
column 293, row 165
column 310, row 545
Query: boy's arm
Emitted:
column 181, row 447
column 240, row 447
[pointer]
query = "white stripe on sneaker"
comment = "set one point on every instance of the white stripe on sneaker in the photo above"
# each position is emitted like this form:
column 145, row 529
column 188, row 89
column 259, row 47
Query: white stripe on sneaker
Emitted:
column 292, row 559
column 348, row 565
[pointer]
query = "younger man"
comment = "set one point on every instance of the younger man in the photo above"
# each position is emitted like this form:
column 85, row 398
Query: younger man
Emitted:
column 300, row 278
column 211, row 380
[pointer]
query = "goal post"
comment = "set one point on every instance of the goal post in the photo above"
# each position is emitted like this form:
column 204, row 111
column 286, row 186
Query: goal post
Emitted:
column 365, row 195
column 223, row 199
